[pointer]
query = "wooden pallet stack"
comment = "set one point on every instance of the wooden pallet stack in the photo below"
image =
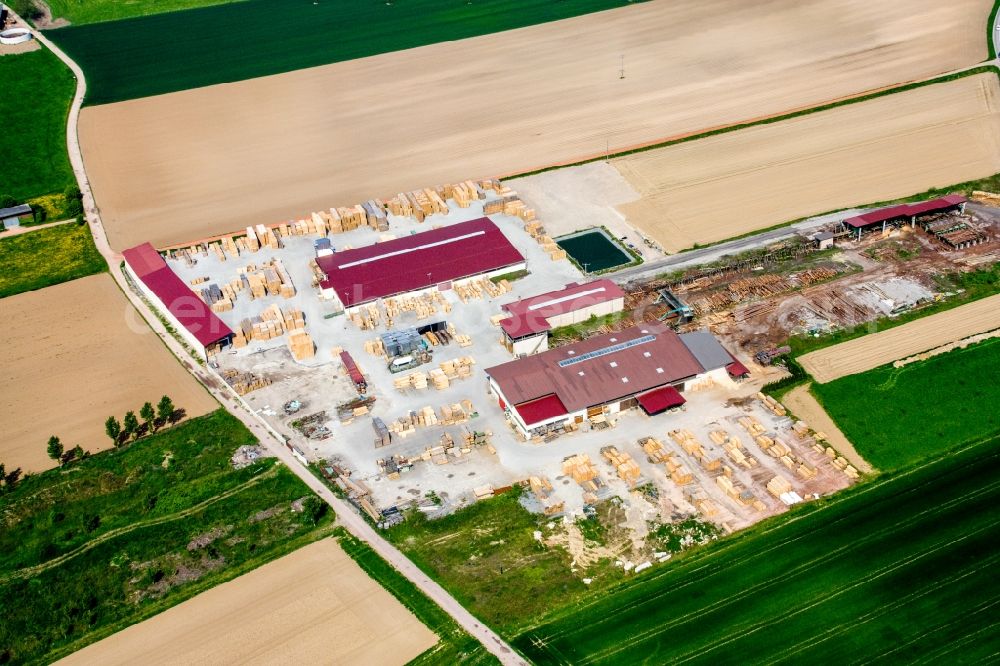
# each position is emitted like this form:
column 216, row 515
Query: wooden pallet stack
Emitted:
column 706, row 507
column 751, row 425
column 460, row 368
column 679, row 473
column 778, row 486
column 734, row 449
column 417, row 380
column 583, row 471
column 773, row 405
column 244, row 382
column 626, row 468
column 301, row 345
column 655, row 451
column 456, row 413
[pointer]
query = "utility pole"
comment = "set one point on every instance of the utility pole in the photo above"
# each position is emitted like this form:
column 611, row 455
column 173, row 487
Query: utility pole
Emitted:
column 621, row 69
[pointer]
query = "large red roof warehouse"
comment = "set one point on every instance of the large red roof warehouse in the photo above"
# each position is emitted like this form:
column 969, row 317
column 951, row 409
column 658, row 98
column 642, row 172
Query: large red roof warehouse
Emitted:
column 416, row 262
column 192, row 312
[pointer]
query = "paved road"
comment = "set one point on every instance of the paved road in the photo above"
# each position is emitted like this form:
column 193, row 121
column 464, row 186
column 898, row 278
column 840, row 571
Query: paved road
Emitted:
column 708, row 254
column 346, row 515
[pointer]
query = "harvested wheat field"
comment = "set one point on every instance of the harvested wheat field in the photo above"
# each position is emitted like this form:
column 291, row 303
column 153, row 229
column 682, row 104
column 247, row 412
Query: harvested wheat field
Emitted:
column 871, row 351
column 731, row 184
column 74, row 354
column 312, row 606
column 187, row 165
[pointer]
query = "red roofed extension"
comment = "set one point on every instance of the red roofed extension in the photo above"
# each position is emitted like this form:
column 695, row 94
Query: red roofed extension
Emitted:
column 192, row 312
column 541, row 409
column 660, row 400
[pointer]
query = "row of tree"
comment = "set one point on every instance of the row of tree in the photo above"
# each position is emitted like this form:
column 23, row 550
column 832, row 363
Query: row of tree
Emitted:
column 153, row 419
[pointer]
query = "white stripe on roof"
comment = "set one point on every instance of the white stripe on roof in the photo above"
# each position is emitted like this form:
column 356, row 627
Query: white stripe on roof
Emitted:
column 425, row 246
column 563, row 299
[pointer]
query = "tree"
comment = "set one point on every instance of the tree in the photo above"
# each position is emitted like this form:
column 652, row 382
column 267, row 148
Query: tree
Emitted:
column 7, row 201
column 55, row 448
column 74, row 201
column 79, row 453
column 148, row 415
column 12, row 478
column 165, row 409
column 130, row 425
column 113, row 429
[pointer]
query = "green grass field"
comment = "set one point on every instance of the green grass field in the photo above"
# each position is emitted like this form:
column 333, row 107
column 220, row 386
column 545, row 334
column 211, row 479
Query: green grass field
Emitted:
column 168, row 52
column 79, row 12
column 486, row 556
column 125, row 534
column 895, row 417
column 898, row 570
column 37, row 90
column 45, row 257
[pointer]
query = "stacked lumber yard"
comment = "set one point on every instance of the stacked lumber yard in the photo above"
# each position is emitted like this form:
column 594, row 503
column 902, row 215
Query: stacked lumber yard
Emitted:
column 271, row 323
column 581, row 469
column 446, row 449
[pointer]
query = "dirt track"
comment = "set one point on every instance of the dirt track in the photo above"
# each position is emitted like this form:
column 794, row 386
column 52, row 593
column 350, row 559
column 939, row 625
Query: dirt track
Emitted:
column 187, row 165
column 70, row 360
column 312, row 606
column 877, row 349
column 727, row 185
column 802, row 403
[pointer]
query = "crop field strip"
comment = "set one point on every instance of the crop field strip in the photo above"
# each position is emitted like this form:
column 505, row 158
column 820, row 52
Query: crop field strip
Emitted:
column 924, row 407
column 178, row 167
column 874, row 150
column 79, row 352
column 343, row 616
column 781, row 592
column 871, row 351
column 45, row 257
column 125, row 534
column 37, row 90
column 158, row 54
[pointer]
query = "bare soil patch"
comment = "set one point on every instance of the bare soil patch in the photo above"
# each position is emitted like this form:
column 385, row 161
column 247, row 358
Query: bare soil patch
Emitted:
column 731, row 184
column 312, row 606
column 871, row 351
column 73, row 355
column 192, row 164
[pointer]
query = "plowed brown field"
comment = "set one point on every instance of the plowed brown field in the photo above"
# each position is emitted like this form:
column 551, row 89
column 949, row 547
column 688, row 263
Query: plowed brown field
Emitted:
column 314, row 606
column 877, row 349
column 731, row 184
column 74, row 354
column 196, row 163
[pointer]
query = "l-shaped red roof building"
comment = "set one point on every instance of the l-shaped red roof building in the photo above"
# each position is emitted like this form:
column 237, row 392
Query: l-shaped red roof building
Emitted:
column 648, row 366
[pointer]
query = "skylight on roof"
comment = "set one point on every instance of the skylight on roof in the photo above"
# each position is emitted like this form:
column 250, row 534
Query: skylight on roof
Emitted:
column 621, row 346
